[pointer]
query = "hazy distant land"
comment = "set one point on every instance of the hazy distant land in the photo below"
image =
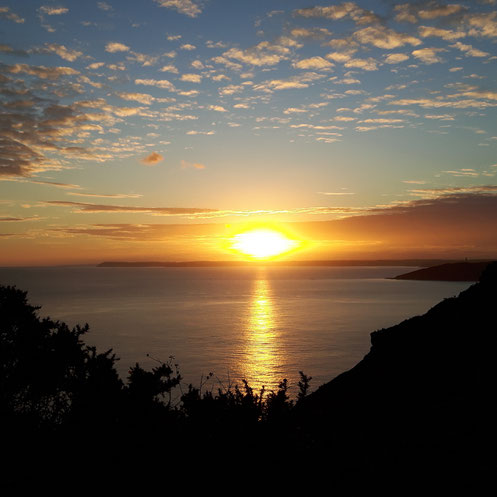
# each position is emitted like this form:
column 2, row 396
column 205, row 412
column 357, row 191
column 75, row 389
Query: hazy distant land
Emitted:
column 375, row 262
column 458, row 271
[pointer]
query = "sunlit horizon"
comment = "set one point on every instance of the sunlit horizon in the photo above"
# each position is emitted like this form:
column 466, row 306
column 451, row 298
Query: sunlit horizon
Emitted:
column 139, row 132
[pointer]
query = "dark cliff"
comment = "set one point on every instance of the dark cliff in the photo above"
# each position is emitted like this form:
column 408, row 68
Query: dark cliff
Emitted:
column 421, row 405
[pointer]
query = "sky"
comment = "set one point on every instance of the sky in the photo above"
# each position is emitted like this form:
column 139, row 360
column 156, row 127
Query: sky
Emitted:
column 159, row 129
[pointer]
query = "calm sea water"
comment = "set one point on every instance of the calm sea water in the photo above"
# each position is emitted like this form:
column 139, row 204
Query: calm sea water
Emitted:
column 261, row 324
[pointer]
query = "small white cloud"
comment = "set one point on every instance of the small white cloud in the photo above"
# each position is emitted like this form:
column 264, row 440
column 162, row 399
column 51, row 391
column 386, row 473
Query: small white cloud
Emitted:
column 186, row 7
column 114, row 47
column 191, row 78
column 53, row 11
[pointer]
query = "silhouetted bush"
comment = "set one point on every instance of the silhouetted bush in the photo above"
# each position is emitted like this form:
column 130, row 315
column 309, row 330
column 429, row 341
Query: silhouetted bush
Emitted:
column 53, row 383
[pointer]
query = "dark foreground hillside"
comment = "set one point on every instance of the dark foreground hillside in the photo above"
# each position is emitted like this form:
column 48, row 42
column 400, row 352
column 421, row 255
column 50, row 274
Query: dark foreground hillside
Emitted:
column 416, row 416
column 421, row 404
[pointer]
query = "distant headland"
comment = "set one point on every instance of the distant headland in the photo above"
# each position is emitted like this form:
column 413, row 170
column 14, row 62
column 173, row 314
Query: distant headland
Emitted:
column 458, row 271
column 375, row 262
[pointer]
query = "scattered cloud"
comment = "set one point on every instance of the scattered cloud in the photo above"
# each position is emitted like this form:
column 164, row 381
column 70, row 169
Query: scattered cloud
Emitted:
column 195, row 165
column 159, row 83
column 186, row 7
column 152, row 159
column 143, row 98
column 313, row 63
column 6, row 13
column 191, row 78
column 53, row 11
column 396, row 58
column 382, row 37
column 105, row 195
column 469, row 50
column 428, row 55
column 50, row 73
column 217, row 108
column 60, row 50
column 104, row 6
column 115, row 46
column 158, row 211
column 445, row 34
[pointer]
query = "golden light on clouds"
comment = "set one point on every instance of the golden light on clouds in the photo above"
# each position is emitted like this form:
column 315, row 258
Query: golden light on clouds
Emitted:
column 263, row 243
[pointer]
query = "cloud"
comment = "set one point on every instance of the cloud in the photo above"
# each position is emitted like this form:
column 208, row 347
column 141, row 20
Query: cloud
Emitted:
column 143, row 98
column 6, row 13
column 253, row 57
column 294, row 82
column 469, row 50
column 445, row 34
column 217, row 108
column 199, row 166
column 369, row 64
column 186, row 7
column 158, row 211
column 316, row 33
column 382, row 37
column 153, row 159
column 105, row 195
column 61, row 51
column 143, row 59
column 195, row 132
column 161, row 83
column 230, row 89
column 456, row 104
column 115, row 46
column 441, row 117
column 37, row 132
column 489, row 95
column 53, row 11
column 51, row 73
column 482, row 24
column 337, row 12
column 336, row 194
column 8, row 50
column 169, row 68
column 191, row 78
column 428, row 55
column 18, row 219
column 313, row 63
column 188, row 46
column 440, row 11
column 227, row 63
column 293, row 110
column 104, row 6
column 396, row 58
column 55, row 184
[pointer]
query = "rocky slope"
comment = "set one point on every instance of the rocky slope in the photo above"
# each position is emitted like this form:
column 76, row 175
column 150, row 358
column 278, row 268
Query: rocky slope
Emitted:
column 421, row 405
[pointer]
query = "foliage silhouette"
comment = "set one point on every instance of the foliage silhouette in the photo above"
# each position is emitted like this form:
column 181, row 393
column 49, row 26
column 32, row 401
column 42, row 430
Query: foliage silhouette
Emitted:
column 53, row 384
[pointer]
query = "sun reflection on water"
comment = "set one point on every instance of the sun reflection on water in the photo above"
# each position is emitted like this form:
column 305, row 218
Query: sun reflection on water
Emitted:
column 263, row 355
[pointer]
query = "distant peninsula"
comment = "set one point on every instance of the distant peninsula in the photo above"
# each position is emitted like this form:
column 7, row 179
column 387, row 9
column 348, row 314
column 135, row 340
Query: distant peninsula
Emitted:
column 456, row 271
column 379, row 262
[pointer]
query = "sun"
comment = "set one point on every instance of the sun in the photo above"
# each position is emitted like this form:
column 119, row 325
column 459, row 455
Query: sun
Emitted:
column 263, row 243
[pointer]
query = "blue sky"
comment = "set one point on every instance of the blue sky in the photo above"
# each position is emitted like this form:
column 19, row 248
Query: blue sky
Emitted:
column 181, row 112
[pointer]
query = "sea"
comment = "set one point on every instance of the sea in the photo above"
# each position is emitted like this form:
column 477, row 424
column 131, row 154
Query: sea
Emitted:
column 222, row 325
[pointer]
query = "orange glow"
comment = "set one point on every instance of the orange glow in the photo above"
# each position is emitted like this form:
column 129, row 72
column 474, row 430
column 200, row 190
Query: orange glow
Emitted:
column 263, row 243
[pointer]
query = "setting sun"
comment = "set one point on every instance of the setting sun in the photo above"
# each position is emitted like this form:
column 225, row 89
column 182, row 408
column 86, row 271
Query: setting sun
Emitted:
column 263, row 243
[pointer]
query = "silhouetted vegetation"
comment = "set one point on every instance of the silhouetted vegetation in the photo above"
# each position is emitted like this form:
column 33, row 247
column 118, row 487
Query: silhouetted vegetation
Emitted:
column 419, row 410
column 54, row 384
